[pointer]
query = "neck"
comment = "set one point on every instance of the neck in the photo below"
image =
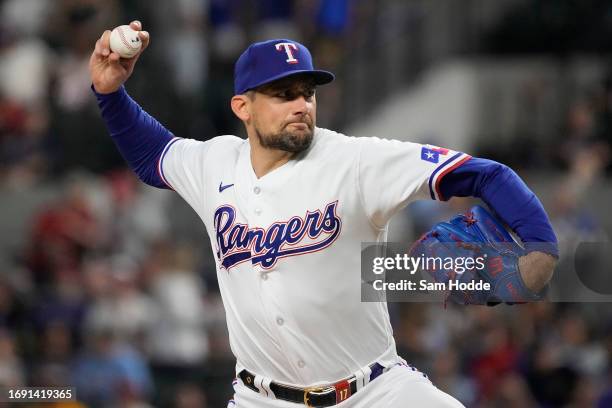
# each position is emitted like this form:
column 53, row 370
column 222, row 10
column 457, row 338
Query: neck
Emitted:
column 265, row 160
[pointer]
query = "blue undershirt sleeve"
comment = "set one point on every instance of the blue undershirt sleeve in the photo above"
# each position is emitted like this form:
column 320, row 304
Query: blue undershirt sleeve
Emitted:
column 506, row 194
column 138, row 136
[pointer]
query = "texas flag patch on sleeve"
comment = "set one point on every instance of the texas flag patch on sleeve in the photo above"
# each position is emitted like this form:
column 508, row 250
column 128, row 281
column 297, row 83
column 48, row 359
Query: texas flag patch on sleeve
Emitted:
column 446, row 161
column 432, row 153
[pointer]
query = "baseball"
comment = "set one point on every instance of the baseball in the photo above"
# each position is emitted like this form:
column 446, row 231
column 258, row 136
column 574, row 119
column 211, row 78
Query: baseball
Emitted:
column 125, row 41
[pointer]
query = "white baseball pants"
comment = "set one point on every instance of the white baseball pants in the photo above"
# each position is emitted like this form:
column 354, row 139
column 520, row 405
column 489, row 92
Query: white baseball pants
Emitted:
column 400, row 387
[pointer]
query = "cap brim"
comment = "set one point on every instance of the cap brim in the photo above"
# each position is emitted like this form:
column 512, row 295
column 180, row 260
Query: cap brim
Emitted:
column 321, row 77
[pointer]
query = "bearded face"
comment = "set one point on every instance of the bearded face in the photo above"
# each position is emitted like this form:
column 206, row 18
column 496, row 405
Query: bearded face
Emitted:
column 284, row 114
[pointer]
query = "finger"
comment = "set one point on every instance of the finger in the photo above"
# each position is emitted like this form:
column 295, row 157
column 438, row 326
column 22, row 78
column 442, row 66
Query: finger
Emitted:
column 105, row 43
column 136, row 25
column 145, row 38
column 118, row 64
column 114, row 58
column 98, row 52
column 98, row 48
column 128, row 63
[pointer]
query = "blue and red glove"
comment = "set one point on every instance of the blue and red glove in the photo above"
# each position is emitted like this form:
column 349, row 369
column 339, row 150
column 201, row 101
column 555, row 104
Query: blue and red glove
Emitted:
column 479, row 236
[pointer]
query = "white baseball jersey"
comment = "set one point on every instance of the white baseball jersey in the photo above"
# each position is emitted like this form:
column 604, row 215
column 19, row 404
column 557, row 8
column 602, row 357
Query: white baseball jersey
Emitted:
column 288, row 244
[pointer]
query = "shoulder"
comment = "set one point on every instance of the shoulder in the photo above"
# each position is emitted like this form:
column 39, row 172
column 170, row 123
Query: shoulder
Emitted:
column 226, row 143
column 221, row 144
column 328, row 136
column 327, row 140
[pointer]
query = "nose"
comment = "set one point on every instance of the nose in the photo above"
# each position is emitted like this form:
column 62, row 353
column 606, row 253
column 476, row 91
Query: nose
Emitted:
column 301, row 105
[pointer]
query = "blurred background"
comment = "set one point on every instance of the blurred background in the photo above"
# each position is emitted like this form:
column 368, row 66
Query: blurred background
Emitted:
column 109, row 285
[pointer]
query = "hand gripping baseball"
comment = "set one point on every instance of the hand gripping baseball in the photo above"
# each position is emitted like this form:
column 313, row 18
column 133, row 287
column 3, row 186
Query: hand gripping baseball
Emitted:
column 107, row 69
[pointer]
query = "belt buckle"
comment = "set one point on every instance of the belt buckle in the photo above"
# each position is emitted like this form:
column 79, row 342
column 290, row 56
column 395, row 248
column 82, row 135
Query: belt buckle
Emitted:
column 308, row 390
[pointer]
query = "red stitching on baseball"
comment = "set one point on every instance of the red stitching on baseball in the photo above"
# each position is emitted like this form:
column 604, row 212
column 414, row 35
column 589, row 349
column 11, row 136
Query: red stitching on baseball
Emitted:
column 124, row 40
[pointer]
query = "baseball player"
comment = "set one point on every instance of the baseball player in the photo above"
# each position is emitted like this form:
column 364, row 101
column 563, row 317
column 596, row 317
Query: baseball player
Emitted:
column 286, row 211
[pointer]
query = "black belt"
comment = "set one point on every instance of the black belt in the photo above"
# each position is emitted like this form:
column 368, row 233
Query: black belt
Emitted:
column 313, row 397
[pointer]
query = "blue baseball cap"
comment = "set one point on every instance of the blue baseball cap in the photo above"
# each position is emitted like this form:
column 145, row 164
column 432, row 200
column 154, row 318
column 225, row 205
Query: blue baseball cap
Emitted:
column 267, row 61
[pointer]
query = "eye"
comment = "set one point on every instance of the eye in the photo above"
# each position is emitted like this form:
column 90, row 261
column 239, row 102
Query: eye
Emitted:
column 309, row 93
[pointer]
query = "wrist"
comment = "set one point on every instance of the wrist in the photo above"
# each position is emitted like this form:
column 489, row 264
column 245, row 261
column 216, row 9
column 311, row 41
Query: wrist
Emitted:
column 103, row 95
column 102, row 90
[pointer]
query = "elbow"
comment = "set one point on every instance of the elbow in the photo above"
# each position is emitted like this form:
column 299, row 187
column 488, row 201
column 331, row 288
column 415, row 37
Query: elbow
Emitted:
column 150, row 176
column 498, row 171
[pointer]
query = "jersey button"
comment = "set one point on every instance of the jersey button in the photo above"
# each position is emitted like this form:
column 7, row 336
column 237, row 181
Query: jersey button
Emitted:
column 257, row 211
column 264, row 275
column 257, row 190
column 280, row 321
column 301, row 364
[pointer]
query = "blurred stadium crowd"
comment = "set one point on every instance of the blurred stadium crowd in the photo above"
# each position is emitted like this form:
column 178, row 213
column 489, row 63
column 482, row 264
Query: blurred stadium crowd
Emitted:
column 109, row 286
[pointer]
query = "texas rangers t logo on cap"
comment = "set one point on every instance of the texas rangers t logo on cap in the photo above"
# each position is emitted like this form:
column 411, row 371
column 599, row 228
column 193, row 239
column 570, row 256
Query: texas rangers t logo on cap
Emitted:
column 288, row 46
column 264, row 62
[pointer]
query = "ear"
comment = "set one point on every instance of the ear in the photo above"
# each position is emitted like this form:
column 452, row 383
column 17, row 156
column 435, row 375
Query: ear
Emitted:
column 240, row 107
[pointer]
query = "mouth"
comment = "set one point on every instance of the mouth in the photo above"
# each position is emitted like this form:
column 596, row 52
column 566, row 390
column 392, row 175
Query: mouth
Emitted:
column 300, row 125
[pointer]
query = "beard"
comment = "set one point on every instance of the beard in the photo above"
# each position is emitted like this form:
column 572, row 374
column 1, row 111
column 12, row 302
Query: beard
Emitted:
column 287, row 140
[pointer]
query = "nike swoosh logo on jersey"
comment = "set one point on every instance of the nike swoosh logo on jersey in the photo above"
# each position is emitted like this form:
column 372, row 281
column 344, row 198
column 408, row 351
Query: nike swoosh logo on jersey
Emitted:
column 223, row 187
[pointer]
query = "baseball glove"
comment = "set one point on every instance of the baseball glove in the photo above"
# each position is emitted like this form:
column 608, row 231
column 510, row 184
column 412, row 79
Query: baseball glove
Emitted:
column 479, row 236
